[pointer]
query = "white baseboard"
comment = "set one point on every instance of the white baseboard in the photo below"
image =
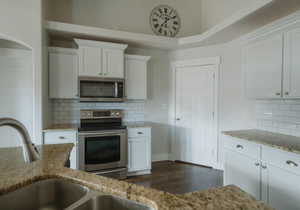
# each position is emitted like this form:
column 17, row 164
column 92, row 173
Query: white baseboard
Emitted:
column 160, row 157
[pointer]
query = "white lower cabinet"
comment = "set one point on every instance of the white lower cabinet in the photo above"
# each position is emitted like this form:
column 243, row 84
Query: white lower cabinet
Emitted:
column 273, row 177
column 63, row 137
column 243, row 172
column 281, row 187
column 139, row 151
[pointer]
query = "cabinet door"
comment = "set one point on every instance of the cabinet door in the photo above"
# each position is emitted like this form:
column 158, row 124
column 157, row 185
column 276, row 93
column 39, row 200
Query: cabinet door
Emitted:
column 243, row 172
column 63, row 73
column 90, row 61
column 136, row 79
column 113, row 63
column 283, row 188
column 64, row 137
column 263, row 62
column 139, row 157
column 291, row 77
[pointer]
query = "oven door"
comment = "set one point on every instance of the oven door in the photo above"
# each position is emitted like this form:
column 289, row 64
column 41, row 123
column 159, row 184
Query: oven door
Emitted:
column 102, row 150
column 93, row 89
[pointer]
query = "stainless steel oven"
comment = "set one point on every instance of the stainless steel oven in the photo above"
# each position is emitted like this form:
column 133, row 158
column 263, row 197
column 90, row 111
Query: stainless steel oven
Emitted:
column 102, row 145
column 94, row 89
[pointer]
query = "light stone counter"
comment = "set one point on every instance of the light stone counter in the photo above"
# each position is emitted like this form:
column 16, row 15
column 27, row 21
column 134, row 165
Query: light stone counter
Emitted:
column 52, row 166
column 276, row 140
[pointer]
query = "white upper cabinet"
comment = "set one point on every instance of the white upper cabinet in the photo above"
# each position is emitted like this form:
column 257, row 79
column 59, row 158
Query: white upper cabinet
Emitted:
column 291, row 87
column 263, row 62
column 63, row 73
column 101, row 59
column 136, row 76
column 90, row 61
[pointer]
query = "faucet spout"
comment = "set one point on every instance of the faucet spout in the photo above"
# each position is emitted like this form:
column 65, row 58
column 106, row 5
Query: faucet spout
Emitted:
column 30, row 152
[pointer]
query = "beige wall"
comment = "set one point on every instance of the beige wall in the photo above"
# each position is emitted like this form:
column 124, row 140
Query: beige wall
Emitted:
column 215, row 11
column 125, row 15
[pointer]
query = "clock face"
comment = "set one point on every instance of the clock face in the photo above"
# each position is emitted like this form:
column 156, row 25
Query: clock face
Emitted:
column 165, row 21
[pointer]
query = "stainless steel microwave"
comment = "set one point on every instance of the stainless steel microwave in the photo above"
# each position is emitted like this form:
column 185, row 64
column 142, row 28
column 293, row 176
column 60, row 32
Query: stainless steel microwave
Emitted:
column 94, row 89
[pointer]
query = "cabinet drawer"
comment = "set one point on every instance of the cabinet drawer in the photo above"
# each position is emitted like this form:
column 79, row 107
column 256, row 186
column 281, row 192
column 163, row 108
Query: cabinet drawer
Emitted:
column 282, row 159
column 242, row 146
column 60, row 137
column 138, row 132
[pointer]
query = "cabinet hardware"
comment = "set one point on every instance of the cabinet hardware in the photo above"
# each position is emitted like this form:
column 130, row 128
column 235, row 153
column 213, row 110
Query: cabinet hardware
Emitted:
column 257, row 164
column 239, row 146
column 291, row 163
column 140, row 133
column 278, row 94
column 287, row 93
column 100, row 73
column 62, row 137
column 263, row 167
column 178, row 119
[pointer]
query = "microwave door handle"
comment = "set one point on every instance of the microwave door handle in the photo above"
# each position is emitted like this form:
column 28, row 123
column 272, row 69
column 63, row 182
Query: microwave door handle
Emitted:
column 116, row 90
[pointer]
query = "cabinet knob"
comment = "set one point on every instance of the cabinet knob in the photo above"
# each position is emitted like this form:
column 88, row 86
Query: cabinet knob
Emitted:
column 178, row 119
column 278, row 94
column 140, row 133
column 286, row 93
column 239, row 146
column 291, row 163
column 100, row 73
column 263, row 167
column 257, row 164
column 62, row 137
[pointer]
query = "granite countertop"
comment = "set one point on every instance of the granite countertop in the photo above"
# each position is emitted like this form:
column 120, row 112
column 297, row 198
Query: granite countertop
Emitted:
column 276, row 140
column 52, row 166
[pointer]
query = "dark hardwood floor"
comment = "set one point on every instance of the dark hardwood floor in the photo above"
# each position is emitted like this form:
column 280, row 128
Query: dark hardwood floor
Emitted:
column 179, row 178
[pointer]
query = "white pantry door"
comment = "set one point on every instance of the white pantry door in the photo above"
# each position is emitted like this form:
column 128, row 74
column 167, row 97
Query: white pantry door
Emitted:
column 195, row 107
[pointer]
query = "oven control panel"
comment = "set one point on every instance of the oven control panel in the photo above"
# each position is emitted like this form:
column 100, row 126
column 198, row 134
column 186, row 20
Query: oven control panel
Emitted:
column 100, row 114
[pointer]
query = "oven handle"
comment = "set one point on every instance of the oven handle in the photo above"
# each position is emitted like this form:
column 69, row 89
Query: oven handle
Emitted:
column 102, row 134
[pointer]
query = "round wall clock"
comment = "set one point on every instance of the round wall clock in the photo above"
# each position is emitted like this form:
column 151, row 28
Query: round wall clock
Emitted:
column 165, row 21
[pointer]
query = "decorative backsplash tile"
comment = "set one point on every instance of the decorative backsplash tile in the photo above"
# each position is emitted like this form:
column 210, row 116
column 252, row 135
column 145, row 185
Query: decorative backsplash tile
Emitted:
column 68, row 111
column 282, row 116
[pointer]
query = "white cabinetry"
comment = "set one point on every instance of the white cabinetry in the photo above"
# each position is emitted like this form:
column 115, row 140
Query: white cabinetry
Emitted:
column 272, row 67
column 136, row 76
column 263, row 68
column 272, row 177
column 242, row 166
column 291, row 84
column 101, row 59
column 63, row 73
column 63, row 137
column 242, row 171
column 139, row 151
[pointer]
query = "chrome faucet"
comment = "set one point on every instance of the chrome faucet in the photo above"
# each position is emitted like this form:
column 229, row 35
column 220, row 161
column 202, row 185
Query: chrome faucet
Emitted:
column 30, row 151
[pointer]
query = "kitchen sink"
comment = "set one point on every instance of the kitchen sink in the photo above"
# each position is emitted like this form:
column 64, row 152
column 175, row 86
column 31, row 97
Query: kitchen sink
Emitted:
column 51, row 194
column 108, row 202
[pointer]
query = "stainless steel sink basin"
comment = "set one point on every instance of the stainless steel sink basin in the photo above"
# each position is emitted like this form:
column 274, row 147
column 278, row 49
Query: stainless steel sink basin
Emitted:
column 108, row 202
column 49, row 194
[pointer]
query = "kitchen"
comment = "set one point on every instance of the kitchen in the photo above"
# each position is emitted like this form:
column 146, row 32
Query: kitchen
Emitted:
column 115, row 84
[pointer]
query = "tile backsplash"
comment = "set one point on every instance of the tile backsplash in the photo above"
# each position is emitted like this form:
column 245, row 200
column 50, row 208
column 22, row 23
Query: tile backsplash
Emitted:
column 68, row 111
column 281, row 116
